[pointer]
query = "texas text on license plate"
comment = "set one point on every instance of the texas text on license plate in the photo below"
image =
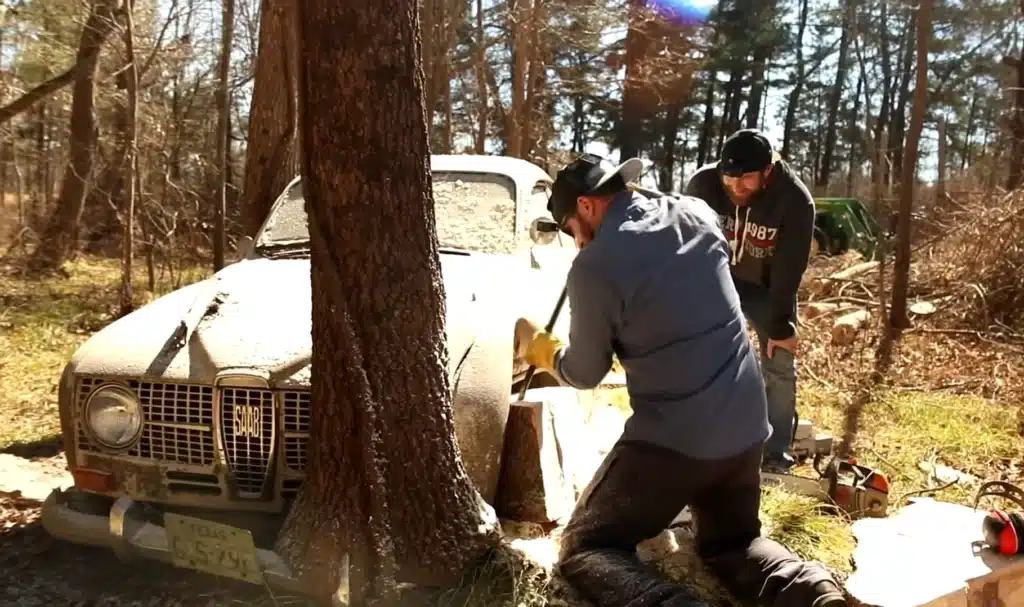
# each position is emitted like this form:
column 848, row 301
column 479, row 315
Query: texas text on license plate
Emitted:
column 212, row 548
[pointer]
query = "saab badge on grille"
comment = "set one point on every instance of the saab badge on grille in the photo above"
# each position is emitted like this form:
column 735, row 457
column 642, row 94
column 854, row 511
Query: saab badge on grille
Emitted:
column 247, row 421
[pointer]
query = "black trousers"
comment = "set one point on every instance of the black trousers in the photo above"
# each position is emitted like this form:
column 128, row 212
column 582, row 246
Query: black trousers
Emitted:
column 637, row 492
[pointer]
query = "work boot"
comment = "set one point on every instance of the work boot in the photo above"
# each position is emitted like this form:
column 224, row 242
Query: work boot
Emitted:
column 829, row 595
column 778, row 465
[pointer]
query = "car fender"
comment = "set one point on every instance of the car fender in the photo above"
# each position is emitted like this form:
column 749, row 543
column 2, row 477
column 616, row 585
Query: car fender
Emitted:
column 481, row 388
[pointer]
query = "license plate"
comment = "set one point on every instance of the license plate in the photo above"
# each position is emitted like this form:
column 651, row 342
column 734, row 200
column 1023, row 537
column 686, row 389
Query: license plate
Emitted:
column 212, row 548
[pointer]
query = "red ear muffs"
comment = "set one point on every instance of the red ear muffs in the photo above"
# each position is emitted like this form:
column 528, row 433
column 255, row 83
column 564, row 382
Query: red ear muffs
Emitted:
column 1003, row 531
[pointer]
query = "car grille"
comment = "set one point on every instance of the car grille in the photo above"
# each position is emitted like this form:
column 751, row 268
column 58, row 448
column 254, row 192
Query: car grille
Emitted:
column 179, row 421
column 247, row 430
column 180, row 429
column 296, row 429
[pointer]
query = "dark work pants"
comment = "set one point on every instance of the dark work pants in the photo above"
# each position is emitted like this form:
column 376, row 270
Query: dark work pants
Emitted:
column 637, row 492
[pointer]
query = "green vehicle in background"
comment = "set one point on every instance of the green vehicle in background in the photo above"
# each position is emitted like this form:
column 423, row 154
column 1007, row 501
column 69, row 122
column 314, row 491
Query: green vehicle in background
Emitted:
column 844, row 224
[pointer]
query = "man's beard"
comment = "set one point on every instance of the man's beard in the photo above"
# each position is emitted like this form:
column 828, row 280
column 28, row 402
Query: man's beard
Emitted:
column 586, row 233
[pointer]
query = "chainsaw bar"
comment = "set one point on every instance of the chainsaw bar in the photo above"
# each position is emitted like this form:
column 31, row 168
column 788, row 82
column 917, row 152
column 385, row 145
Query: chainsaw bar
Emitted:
column 859, row 490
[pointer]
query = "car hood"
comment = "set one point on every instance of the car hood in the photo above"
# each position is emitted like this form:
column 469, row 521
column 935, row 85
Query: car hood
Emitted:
column 253, row 316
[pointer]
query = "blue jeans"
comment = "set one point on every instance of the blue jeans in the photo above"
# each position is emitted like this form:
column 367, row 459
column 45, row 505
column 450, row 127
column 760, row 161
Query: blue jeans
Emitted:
column 779, row 373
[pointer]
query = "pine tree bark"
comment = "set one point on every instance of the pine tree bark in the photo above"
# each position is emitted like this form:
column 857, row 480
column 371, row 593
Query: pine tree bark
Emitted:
column 901, row 270
column 272, row 158
column 385, row 483
column 59, row 239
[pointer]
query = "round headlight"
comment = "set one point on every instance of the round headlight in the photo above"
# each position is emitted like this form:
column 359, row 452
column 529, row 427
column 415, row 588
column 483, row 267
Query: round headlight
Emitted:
column 113, row 416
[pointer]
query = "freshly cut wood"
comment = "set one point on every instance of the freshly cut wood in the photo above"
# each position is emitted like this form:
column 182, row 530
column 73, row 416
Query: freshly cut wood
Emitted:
column 923, row 308
column 930, row 554
column 533, row 487
column 824, row 284
column 845, row 328
column 815, row 309
column 854, row 271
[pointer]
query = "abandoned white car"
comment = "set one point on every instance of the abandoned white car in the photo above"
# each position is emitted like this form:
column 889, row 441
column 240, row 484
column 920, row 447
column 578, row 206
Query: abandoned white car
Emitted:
column 198, row 403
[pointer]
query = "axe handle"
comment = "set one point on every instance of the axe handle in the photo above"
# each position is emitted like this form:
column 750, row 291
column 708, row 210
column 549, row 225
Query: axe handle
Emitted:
column 549, row 328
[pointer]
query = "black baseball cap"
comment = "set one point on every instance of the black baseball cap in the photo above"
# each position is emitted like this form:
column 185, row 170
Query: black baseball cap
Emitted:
column 746, row 151
column 583, row 176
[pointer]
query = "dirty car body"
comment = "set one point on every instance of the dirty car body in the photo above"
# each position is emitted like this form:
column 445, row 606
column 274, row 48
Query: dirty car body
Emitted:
column 199, row 403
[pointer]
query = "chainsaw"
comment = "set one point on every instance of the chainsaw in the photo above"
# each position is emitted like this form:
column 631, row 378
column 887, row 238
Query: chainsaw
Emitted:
column 860, row 491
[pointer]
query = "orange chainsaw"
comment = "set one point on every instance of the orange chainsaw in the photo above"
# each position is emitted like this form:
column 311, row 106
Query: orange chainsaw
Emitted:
column 860, row 491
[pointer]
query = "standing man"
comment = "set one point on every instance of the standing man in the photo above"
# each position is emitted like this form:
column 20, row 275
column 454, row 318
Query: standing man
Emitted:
column 769, row 223
column 651, row 284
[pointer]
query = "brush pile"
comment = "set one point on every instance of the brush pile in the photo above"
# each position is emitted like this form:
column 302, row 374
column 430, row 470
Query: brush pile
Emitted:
column 965, row 300
column 976, row 268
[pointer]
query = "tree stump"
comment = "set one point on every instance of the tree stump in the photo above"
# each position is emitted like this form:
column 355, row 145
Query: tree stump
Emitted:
column 534, row 486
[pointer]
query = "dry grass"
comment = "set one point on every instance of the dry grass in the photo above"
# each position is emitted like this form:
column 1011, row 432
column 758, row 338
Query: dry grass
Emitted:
column 42, row 322
column 902, row 429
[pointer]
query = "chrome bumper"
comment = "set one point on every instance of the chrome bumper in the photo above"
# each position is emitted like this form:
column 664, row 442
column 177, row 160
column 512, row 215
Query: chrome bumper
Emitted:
column 130, row 538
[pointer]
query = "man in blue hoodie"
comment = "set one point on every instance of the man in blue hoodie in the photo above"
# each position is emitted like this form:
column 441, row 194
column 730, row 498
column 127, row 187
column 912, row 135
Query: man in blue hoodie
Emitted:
column 768, row 217
column 651, row 285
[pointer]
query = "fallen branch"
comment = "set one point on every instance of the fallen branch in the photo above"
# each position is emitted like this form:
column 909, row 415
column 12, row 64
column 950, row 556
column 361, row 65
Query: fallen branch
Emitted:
column 39, row 93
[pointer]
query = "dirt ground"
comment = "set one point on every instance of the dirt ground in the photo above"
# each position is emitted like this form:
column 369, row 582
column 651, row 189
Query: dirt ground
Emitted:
column 38, row 570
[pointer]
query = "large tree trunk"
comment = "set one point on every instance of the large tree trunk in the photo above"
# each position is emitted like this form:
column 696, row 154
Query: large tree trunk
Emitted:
column 271, row 154
column 59, row 239
column 901, row 271
column 223, row 133
column 385, row 483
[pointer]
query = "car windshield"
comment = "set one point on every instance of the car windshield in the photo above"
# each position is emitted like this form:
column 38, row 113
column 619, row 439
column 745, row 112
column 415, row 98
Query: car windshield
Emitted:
column 473, row 211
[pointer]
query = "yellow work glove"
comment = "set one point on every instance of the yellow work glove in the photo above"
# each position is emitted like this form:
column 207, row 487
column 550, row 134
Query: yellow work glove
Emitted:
column 541, row 350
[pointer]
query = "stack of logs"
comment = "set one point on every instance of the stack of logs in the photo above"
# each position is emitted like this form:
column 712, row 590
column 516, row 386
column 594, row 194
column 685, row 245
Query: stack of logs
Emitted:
column 852, row 314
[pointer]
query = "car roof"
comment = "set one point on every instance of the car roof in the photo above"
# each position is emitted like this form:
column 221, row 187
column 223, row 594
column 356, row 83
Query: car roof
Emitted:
column 524, row 173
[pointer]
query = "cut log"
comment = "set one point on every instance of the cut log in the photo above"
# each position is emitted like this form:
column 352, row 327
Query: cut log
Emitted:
column 929, row 554
column 845, row 328
column 815, row 309
column 854, row 271
column 825, row 284
column 533, row 486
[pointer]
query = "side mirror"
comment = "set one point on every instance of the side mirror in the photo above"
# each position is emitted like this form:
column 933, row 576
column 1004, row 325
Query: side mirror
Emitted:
column 243, row 246
column 543, row 231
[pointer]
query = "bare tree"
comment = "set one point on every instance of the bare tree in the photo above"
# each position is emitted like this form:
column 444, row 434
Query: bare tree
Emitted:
column 901, row 270
column 223, row 132
column 1016, row 176
column 385, row 485
column 60, row 237
column 131, row 77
